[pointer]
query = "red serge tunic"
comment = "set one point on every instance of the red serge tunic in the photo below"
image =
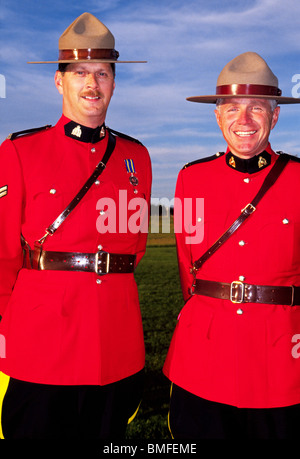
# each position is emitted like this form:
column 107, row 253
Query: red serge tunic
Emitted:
column 63, row 327
column 244, row 355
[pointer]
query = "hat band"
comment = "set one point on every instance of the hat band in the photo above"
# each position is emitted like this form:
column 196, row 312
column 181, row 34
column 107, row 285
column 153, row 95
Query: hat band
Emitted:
column 248, row 89
column 87, row 54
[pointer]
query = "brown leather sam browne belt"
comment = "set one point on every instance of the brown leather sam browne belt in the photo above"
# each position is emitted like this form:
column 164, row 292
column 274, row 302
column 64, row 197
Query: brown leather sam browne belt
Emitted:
column 239, row 292
column 99, row 263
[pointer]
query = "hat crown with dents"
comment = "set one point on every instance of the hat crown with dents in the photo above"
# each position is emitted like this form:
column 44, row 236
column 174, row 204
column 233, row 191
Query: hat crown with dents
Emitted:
column 86, row 40
column 86, row 32
column 246, row 76
column 247, row 68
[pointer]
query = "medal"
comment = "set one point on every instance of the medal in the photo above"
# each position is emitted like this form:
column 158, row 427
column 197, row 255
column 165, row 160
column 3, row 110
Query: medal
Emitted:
column 131, row 170
column 133, row 180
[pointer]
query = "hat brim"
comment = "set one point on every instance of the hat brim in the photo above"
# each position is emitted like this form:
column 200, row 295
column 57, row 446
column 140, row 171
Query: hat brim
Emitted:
column 88, row 61
column 212, row 99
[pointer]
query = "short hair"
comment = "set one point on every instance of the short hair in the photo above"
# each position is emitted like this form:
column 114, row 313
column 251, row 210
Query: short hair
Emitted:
column 273, row 103
column 62, row 67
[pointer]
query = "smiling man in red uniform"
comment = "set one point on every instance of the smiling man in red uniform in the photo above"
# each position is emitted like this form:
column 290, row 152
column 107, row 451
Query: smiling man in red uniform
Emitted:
column 74, row 349
column 232, row 358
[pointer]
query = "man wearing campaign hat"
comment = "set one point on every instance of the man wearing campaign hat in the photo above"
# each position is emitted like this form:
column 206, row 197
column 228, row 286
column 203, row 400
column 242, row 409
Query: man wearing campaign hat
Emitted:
column 234, row 360
column 74, row 348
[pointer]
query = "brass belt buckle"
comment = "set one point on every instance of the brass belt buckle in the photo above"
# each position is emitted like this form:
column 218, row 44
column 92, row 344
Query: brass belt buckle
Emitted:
column 98, row 262
column 240, row 297
column 249, row 209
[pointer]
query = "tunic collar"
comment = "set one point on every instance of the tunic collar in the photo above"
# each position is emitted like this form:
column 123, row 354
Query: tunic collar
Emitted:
column 83, row 133
column 251, row 165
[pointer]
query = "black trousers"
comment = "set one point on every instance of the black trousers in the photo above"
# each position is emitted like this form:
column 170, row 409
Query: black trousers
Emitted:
column 40, row 411
column 192, row 417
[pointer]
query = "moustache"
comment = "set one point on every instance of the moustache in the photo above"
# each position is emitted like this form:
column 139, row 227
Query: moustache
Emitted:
column 92, row 94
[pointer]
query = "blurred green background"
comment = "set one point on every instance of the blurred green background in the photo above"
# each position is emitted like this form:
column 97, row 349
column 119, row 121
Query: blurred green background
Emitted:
column 161, row 300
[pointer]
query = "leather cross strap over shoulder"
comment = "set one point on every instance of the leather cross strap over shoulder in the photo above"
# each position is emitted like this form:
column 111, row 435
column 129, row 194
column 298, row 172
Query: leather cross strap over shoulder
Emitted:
column 237, row 291
column 98, row 170
column 246, row 212
column 100, row 262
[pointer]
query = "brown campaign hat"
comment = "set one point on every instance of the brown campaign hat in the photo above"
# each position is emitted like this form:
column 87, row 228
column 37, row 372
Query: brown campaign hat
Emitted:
column 86, row 40
column 246, row 76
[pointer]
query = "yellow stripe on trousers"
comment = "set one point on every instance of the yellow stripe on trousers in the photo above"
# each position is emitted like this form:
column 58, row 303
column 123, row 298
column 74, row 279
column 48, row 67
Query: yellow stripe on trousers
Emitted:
column 4, row 380
column 169, row 425
column 134, row 414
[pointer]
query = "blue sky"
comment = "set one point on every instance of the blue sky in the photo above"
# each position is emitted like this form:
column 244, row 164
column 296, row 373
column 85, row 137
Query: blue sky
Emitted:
column 186, row 45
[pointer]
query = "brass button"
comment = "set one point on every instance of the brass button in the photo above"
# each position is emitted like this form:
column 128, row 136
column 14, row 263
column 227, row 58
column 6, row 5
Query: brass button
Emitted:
column 240, row 311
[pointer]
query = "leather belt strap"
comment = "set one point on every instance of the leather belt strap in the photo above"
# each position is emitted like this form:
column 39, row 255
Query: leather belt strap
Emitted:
column 239, row 292
column 99, row 263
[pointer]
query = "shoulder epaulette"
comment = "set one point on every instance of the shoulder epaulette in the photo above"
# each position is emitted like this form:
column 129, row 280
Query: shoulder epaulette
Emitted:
column 124, row 136
column 204, row 160
column 291, row 157
column 14, row 135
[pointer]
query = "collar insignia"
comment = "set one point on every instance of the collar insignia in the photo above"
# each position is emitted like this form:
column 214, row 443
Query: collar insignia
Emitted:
column 84, row 133
column 232, row 162
column 102, row 132
column 248, row 166
column 261, row 162
column 77, row 132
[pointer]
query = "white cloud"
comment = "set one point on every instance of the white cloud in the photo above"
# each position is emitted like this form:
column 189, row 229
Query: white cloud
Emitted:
column 186, row 45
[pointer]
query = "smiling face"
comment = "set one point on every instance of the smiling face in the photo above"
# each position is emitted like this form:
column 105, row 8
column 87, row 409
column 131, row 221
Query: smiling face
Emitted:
column 246, row 124
column 86, row 89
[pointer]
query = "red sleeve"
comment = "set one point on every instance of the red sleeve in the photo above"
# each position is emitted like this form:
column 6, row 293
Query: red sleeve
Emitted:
column 183, row 247
column 11, row 210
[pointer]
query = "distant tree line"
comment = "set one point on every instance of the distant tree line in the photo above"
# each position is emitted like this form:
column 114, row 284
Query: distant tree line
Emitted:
column 162, row 211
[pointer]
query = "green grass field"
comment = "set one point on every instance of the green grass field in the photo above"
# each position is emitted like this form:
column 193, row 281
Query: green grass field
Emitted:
column 161, row 300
